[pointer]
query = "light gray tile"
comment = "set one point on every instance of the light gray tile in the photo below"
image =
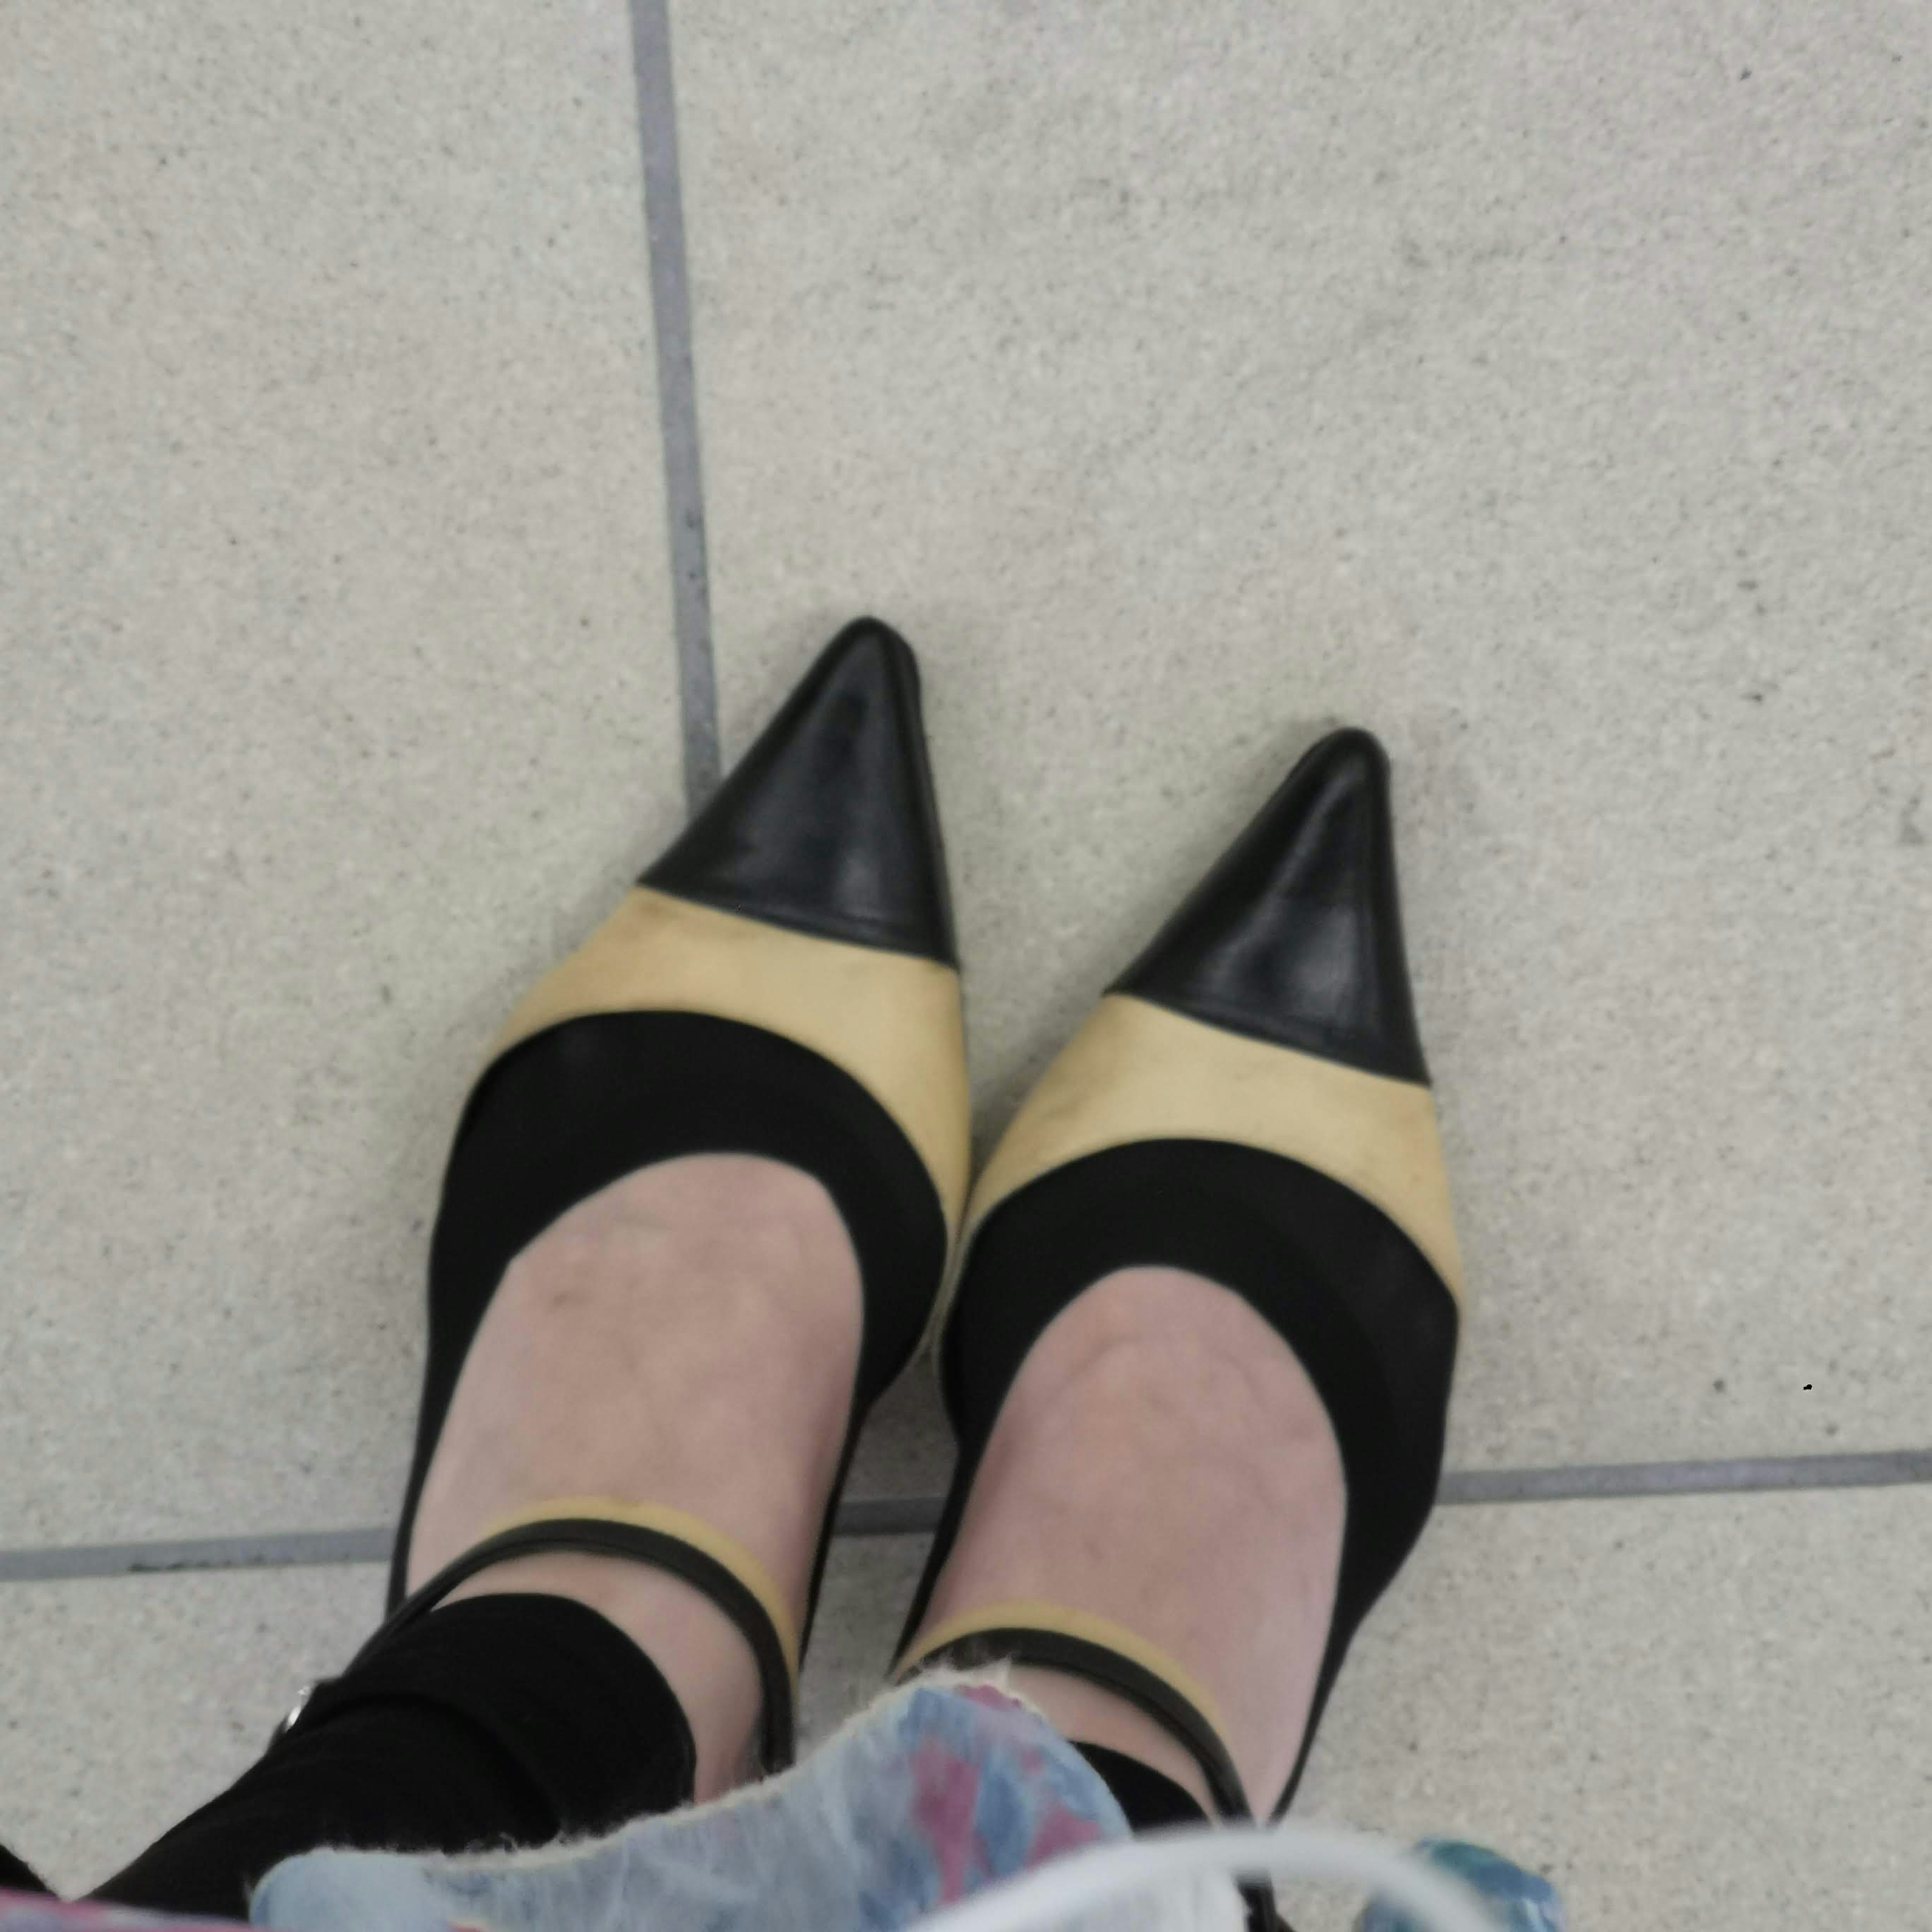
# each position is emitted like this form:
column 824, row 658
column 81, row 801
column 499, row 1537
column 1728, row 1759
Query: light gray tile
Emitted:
column 124, row 1704
column 868, row 1584
column 907, row 1448
column 1552, row 394
column 1709, row 1712
column 337, row 700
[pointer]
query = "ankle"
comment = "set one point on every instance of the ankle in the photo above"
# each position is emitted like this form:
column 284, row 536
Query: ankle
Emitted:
column 704, row 1656
column 1085, row 1714
column 686, row 1338
column 1162, row 1461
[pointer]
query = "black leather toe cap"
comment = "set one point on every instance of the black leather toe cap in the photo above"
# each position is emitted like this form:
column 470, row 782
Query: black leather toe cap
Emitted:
column 1295, row 936
column 828, row 824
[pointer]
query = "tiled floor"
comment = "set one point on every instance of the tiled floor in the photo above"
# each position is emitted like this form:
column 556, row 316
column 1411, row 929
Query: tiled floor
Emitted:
column 335, row 698
column 1551, row 390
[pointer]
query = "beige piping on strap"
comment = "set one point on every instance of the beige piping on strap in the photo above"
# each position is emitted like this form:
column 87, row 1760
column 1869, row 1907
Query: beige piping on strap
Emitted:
column 685, row 1527
column 1055, row 1619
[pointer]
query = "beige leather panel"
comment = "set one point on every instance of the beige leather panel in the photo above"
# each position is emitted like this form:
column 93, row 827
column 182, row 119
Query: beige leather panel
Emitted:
column 891, row 1021
column 1137, row 1071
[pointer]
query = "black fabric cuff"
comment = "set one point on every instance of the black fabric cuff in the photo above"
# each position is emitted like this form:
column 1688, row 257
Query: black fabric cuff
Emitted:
column 586, row 1718
column 498, row 1721
column 1149, row 1798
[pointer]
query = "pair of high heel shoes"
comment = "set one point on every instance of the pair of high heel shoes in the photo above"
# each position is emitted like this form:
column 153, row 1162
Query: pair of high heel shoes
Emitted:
column 1248, row 1101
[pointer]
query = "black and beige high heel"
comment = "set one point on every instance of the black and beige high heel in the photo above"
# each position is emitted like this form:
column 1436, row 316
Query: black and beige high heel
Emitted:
column 1249, row 1102
column 782, row 982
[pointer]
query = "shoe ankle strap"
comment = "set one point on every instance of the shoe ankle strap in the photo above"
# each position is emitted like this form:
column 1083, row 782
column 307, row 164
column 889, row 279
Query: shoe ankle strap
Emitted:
column 667, row 1539
column 1049, row 1636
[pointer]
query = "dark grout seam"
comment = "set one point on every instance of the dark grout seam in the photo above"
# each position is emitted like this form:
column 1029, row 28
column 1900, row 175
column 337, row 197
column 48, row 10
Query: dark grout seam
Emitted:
column 1732, row 1475
column 677, row 397
column 906, row 1516
column 206, row 1553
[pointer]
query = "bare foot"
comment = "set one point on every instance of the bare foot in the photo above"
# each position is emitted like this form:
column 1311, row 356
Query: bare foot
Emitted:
column 1163, row 1460
column 687, row 1337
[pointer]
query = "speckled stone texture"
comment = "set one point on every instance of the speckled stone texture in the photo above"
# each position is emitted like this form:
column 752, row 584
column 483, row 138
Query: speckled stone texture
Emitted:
column 1551, row 392
column 868, row 1584
column 337, row 698
column 1704, row 1711
column 1752, row 1755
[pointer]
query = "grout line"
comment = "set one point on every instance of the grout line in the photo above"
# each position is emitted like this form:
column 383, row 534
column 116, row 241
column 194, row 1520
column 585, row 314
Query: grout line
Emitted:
column 905, row 1515
column 888, row 1516
column 1729, row 1476
column 207, row 1552
column 677, row 397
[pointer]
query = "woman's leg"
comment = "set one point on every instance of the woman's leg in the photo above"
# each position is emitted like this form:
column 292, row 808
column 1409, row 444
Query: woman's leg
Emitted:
column 1200, row 1352
column 693, row 1222
column 690, row 1335
column 1163, row 1461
